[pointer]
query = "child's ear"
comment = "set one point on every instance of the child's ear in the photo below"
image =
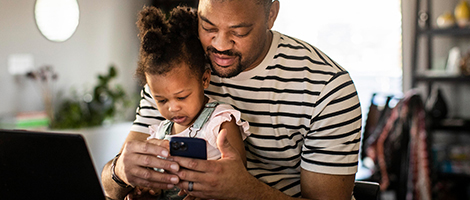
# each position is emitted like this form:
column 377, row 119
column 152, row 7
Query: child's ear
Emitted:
column 206, row 78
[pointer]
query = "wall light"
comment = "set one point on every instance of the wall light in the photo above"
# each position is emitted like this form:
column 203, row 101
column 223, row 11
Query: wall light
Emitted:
column 57, row 19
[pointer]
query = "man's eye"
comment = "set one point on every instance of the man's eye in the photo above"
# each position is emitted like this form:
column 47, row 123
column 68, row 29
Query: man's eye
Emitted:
column 239, row 34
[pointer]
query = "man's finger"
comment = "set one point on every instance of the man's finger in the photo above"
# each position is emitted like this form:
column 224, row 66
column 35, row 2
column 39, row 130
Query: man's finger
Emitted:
column 156, row 180
column 145, row 147
column 193, row 164
column 162, row 143
column 147, row 161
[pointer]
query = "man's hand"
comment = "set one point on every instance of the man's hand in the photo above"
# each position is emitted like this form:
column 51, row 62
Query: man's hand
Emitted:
column 135, row 167
column 137, row 160
column 221, row 179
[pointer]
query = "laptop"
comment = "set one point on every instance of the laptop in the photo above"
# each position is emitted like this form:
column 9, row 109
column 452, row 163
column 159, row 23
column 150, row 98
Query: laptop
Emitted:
column 41, row 165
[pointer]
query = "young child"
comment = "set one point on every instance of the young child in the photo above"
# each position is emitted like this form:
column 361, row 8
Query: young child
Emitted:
column 173, row 64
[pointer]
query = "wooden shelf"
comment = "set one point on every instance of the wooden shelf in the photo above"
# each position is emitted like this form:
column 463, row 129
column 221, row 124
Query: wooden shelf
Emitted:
column 437, row 78
column 457, row 125
column 426, row 39
column 455, row 31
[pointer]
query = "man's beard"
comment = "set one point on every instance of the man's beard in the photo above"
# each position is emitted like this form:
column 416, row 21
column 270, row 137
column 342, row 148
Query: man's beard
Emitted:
column 225, row 71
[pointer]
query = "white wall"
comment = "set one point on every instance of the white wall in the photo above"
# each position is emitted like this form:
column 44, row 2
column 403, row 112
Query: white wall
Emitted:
column 106, row 35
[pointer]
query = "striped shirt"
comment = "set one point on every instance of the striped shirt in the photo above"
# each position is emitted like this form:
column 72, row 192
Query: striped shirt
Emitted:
column 303, row 111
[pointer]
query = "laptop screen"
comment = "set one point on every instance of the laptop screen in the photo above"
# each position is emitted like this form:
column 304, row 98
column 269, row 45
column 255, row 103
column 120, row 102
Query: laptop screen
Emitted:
column 40, row 165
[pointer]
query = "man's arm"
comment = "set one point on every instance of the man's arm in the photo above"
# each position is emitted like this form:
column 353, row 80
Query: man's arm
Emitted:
column 326, row 186
column 137, row 156
column 330, row 149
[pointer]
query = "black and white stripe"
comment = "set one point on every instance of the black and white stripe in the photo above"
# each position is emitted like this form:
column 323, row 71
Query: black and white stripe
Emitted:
column 303, row 111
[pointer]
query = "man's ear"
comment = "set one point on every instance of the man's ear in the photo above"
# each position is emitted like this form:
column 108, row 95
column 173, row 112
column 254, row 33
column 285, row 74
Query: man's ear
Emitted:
column 273, row 12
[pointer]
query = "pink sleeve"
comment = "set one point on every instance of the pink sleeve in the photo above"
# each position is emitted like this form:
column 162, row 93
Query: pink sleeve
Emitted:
column 224, row 113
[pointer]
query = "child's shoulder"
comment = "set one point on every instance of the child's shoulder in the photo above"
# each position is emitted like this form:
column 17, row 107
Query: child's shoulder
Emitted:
column 219, row 105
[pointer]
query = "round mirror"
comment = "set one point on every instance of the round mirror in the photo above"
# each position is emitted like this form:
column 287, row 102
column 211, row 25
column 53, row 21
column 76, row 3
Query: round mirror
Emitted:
column 56, row 19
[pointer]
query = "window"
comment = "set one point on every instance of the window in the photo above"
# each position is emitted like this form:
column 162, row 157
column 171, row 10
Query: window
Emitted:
column 363, row 36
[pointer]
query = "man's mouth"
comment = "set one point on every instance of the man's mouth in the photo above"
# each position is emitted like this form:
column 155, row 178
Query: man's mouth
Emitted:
column 223, row 60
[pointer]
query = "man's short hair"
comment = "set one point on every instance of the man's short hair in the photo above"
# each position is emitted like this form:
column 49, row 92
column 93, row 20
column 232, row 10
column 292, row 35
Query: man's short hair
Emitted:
column 266, row 4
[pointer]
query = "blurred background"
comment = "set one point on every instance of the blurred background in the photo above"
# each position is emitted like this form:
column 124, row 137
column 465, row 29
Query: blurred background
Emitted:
column 83, row 82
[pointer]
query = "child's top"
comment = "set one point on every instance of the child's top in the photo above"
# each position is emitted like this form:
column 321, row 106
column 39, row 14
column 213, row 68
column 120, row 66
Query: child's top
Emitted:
column 209, row 131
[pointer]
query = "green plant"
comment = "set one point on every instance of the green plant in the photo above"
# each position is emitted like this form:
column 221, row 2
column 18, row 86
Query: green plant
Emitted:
column 92, row 109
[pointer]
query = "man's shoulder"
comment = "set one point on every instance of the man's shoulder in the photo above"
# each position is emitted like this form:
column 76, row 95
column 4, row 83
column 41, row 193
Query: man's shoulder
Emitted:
column 296, row 53
column 288, row 42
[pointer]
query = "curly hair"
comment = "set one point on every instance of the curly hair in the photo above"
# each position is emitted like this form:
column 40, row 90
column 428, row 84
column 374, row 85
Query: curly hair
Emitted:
column 167, row 43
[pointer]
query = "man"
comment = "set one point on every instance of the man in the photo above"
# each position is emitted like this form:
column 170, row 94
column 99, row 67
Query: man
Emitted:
column 302, row 107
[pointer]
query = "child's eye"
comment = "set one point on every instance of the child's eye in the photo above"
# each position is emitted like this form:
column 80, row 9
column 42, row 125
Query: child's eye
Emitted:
column 161, row 101
column 210, row 30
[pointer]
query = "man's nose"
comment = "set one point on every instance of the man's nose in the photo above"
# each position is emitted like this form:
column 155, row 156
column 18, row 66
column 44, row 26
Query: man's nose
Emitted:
column 222, row 42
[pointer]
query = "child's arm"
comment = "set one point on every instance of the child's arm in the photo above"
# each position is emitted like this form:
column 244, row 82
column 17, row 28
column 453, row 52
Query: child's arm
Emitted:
column 234, row 137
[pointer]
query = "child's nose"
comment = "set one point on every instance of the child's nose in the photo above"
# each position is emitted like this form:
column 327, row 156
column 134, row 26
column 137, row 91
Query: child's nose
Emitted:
column 174, row 106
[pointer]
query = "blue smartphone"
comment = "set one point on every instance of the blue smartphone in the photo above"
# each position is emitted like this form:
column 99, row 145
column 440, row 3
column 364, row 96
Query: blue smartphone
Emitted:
column 188, row 147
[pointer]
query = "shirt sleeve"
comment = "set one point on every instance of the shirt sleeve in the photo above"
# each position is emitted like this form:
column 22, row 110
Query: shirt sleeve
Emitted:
column 224, row 113
column 146, row 113
column 331, row 146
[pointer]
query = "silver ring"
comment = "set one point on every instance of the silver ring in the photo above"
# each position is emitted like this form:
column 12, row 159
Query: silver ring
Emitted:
column 190, row 186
